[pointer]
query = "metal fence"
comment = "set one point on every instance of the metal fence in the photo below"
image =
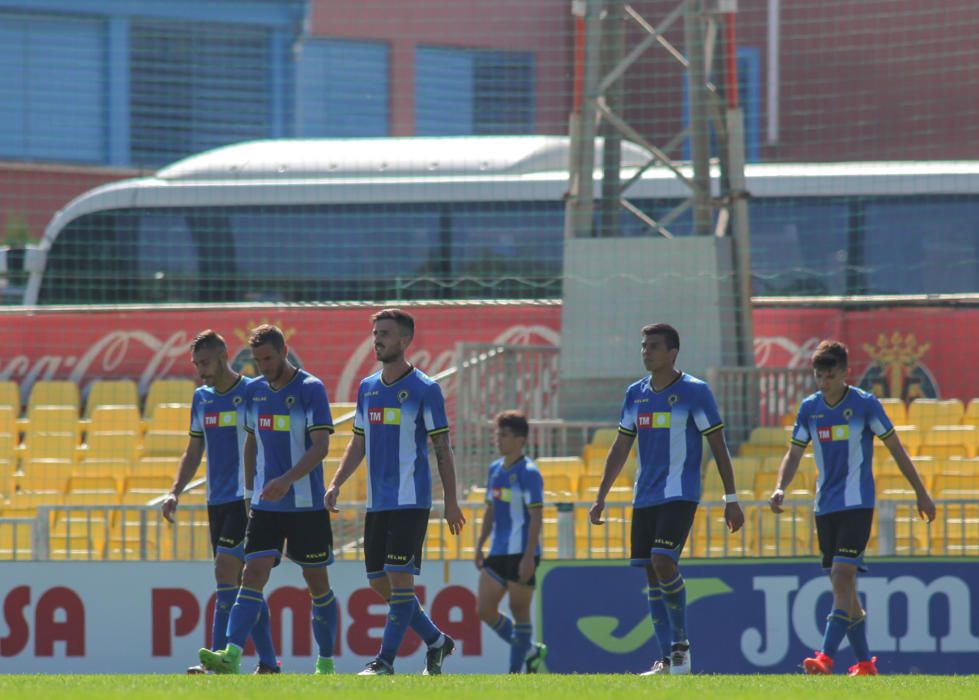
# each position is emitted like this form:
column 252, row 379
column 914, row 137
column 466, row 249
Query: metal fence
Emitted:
column 138, row 533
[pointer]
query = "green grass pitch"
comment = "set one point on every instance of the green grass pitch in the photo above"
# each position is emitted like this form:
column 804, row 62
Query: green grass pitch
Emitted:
column 541, row 687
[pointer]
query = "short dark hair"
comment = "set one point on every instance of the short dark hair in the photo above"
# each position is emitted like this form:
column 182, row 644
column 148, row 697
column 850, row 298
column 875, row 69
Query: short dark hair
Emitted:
column 405, row 321
column 208, row 340
column 665, row 330
column 515, row 420
column 267, row 334
column 829, row 354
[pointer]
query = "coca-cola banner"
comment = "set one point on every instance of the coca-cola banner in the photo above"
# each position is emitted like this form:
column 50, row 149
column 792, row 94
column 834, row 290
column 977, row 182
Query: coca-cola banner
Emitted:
column 905, row 352
column 895, row 351
column 333, row 343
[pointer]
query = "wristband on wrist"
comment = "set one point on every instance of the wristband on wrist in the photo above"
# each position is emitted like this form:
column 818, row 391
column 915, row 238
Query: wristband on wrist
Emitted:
column 730, row 498
column 248, row 494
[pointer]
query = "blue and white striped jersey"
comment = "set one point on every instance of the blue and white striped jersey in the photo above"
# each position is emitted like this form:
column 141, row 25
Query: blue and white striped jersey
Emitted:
column 220, row 420
column 512, row 491
column 396, row 421
column 282, row 420
column 669, row 424
column 842, row 439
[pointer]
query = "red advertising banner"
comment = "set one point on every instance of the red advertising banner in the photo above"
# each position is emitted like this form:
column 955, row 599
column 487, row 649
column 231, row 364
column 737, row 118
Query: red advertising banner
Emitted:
column 904, row 352
column 896, row 351
column 334, row 343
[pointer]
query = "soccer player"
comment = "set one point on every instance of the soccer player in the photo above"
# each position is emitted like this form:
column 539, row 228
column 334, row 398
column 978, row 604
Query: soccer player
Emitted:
column 398, row 409
column 841, row 421
column 514, row 506
column 217, row 424
column 289, row 424
column 669, row 411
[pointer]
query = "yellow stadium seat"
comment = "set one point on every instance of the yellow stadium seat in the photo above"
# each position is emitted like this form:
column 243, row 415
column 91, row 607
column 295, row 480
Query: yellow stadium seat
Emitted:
column 8, row 421
column 594, row 458
column 893, row 487
column 971, row 416
column 40, row 475
column 92, row 490
column 35, row 499
column 338, row 445
column 896, row 410
column 118, row 469
column 167, row 391
column 927, row 413
column 50, row 392
column 964, row 436
column 110, row 445
column 170, row 417
column 744, row 471
column 956, row 486
column 761, row 451
column 559, row 487
column 115, row 418
column 117, row 392
column 160, row 466
column 6, row 479
column 621, row 488
column 10, row 396
column 968, row 466
column 140, row 490
column 770, row 435
column 911, row 436
column 164, row 444
column 52, row 419
column 50, row 446
column 8, row 448
column 477, row 494
column 340, row 409
column 572, row 467
column 604, row 437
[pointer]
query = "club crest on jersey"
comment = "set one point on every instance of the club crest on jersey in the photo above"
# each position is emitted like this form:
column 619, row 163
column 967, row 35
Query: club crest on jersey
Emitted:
column 513, row 478
column 673, row 398
column 848, row 413
column 403, row 395
column 236, row 401
column 290, row 400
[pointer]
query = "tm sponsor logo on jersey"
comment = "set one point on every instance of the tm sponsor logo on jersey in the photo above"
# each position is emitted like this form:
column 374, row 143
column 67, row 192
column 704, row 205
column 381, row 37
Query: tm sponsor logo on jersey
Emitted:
column 273, row 422
column 653, row 420
column 833, row 433
column 384, row 416
column 224, row 419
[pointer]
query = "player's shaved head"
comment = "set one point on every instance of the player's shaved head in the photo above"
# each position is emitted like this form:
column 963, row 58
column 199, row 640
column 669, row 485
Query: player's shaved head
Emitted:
column 208, row 340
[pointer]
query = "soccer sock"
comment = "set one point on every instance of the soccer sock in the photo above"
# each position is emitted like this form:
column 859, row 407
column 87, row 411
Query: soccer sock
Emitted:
column 856, row 632
column 222, row 611
column 675, row 598
column 423, row 626
column 661, row 621
column 836, row 626
column 523, row 633
column 325, row 623
column 247, row 608
column 262, row 636
column 402, row 608
column 504, row 628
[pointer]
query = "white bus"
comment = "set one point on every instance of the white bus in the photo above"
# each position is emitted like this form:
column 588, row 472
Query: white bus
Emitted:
column 476, row 217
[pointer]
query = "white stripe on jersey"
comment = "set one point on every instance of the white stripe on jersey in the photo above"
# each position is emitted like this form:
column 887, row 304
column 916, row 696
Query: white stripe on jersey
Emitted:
column 700, row 419
column 854, row 466
column 678, row 453
column 242, row 436
column 817, row 451
column 407, row 454
column 259, row 469
column 302, row 488
column 517, row 500
column 876, row 426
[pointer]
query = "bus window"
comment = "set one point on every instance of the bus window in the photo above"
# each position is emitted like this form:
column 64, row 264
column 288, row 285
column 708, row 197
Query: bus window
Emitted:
column 167, row 257
column 799, row 246
column 921, row 247
column 333, row 253
column 509, row 249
